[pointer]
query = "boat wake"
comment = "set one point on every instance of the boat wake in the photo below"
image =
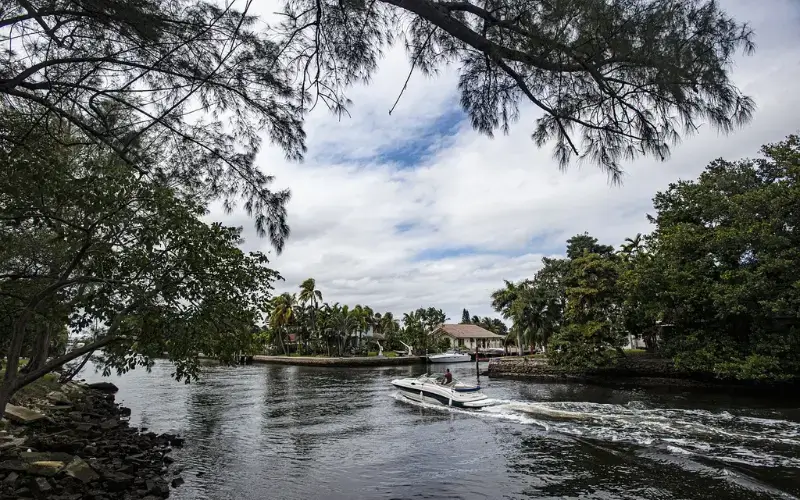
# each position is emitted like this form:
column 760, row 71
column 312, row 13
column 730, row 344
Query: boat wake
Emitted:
column 719, row 436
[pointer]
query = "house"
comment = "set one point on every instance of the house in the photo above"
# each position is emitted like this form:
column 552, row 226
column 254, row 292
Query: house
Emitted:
column 470, row 336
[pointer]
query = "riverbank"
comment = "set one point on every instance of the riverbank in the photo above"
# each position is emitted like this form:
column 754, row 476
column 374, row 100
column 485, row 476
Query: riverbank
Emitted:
column 344, row 362
column 75, row 443
column 633, row 370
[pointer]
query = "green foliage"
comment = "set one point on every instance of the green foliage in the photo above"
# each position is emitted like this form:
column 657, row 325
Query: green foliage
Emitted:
column 419, row 327
column 123, row 257
column 590, row 337
column 724, row 267
column 465, row 317
column 715, row 287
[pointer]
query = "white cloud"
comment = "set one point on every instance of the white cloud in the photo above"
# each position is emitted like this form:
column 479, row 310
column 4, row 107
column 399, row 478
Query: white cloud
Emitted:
column 503, row 197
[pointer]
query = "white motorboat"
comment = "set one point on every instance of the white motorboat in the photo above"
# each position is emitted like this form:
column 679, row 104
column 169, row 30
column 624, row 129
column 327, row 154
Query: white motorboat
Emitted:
column 451, row 356
column 428, row 389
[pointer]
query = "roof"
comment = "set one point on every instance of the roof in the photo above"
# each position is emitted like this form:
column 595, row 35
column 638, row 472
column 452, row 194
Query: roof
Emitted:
column 467, row 331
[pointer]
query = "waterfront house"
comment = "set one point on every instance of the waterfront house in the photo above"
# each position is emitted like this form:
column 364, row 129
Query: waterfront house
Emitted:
column 469, row 336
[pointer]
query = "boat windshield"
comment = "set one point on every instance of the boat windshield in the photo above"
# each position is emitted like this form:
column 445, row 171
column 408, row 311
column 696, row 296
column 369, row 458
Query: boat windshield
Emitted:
column 438, row 380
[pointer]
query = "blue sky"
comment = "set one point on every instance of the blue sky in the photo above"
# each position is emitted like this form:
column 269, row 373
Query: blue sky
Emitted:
column 416, row 209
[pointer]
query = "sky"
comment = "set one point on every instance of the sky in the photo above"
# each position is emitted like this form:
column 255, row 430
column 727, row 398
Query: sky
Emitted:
column 417, row 209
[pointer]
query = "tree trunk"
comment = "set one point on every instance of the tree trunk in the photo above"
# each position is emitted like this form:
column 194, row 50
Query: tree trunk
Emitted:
column 40, row 351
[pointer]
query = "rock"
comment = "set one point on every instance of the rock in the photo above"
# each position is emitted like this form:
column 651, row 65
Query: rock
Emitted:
column 42, row 485
column 111, row 423
column 81, row 471
column 12, row 465
column 45, row 468
column 90, row 450
column 58, row 398
column 37, row 456
column 118, row 481
column 104, row 387
column 23, row 492
column 177, row 482
column 11, row 478
column 22, row 415
column 157, row 487
column 168, row 459
column 11, row 443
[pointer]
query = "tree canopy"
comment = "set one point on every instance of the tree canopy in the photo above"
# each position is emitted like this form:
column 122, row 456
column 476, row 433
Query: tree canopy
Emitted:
column 117, row 255
column 613, row 80
column 715, row 286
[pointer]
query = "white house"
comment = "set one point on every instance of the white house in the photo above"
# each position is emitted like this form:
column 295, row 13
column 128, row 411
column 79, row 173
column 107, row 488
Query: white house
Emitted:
column 470, row 336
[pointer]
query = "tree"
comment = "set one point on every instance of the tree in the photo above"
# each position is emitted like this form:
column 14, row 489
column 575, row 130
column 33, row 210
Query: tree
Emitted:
column 390, row 328
column 591, row 336
column 583, row 243
column 87, row 241
column 723, row 267
column 613, row 80
column 419, row 325
column 311, row 296
column 465, row 317
column 281, row 317
column 195, row 75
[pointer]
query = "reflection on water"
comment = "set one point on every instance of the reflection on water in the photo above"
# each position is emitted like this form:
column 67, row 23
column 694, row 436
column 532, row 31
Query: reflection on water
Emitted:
column 304, row 433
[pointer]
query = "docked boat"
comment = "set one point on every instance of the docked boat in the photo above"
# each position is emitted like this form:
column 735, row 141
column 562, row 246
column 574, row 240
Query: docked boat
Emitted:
column 428, row 389
column 451, row 356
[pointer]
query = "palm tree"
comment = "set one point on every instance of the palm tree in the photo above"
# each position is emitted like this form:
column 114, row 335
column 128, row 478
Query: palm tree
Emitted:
column 345, row 323
column 310, row 295
column 362, row 316
column 282, row 315
column 389, row 327
column 632, row 246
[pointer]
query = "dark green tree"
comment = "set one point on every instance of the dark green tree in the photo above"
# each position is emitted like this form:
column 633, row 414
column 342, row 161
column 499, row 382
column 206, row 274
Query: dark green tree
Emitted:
column 465, row 316
column 591, row 335
column 119, row 255
column 724, row 267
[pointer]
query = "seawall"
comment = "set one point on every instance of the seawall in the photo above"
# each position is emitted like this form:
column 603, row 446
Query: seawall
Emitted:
column 642, row 371
column 344, row 362
column 632, row 371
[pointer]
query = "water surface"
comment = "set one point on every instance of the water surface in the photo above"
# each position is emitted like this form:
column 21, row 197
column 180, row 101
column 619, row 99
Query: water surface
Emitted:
column 288, row 432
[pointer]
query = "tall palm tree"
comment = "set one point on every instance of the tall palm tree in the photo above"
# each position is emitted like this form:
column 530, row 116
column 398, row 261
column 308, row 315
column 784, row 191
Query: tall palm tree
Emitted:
column 345, row 323
column 282, row 316
column 362, row 315
column 310, row 295
column 389, row 328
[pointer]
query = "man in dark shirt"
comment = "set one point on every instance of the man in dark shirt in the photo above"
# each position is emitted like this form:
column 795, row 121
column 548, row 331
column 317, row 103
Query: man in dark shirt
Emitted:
column 448, row 377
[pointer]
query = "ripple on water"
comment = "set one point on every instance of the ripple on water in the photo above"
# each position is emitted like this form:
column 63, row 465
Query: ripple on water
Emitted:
column 308, row 433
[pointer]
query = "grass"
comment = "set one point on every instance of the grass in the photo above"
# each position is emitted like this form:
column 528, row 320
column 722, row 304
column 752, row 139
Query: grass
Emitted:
column 36, row 390
column 386, row 354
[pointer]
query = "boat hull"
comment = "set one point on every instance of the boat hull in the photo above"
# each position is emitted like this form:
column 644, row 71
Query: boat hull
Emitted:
column 449, row 358
column 436, row 394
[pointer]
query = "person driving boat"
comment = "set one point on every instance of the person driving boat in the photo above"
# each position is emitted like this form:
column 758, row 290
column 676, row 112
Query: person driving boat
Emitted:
column 448, row 377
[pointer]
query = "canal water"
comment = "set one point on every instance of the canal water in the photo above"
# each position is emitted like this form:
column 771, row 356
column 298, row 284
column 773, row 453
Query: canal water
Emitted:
column 290, row 432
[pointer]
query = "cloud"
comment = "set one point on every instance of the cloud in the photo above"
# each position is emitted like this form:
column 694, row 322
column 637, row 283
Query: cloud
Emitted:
column 416, row 209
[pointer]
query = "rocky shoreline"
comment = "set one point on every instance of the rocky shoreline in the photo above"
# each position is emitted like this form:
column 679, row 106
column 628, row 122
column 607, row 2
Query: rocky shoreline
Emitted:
column 77, row 444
